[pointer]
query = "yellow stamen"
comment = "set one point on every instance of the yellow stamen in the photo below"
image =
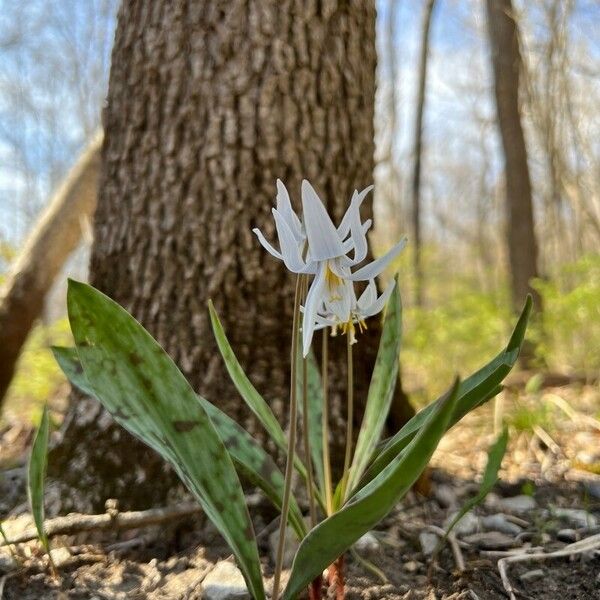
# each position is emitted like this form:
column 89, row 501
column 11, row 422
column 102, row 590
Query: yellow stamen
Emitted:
column 333, row 280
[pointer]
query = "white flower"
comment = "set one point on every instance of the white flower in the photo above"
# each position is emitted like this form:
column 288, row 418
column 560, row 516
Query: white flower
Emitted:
column 367, row 305
column 315, row 246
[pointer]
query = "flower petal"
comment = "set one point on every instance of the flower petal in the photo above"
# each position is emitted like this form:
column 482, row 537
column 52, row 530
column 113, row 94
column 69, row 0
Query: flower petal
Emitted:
column 358, row 237
column 290, row 249
column 314, row 299
column 265, row 244
column 284, row 206
column 367, row 297
column 357, row 200
column 378, row 305
column 348, row 245
column 374, row 268
column 340, row 300
column 323, row 239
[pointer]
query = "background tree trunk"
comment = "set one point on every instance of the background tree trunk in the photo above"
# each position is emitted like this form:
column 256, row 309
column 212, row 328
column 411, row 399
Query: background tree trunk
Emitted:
column 418, row 150
column 506, row 62
column 55, row 236
column 210, row 102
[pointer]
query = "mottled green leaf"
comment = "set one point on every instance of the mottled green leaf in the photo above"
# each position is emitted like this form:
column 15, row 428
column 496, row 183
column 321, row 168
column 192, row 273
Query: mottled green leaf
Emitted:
column 315, row 412
column 146, row 393
column 332, row 537
column 249, row 458
column 37, row 475
column 381, row 388
column 255, row 402
column 474, row 391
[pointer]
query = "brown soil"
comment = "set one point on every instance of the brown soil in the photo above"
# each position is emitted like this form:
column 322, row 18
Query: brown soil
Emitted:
column 170, row 562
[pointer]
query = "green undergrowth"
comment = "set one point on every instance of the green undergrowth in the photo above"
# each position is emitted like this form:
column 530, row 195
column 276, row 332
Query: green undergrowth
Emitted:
column 37, row 377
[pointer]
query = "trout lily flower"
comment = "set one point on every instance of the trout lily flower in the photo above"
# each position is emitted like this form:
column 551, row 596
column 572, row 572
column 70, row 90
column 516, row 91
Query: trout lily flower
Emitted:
column 313, row 245
column 367, row 305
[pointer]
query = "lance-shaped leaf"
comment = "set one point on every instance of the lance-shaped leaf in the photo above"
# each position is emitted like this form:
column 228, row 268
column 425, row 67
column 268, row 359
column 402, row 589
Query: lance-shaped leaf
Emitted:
column 37, row 476
column 490, row 476
column 314, row 390
column 248, row 456
column 381, row 388
column 474, row 391
column 145, row 392
column 332, row 537
column 249, row 393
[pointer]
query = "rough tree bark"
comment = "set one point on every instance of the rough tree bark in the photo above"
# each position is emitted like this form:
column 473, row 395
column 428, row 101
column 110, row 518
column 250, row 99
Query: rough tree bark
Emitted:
column 55, row 236
column 418, row 150
column 506, row 63
column 210, row 102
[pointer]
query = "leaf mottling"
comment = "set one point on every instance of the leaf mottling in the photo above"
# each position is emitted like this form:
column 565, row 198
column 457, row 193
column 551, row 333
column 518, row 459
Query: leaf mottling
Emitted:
column 184, row 426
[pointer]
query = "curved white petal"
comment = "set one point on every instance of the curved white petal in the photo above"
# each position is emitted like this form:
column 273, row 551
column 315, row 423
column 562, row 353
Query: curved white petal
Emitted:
column 323, row 239
column 378, row 305
column 265, row 244
column 374, row 268
column 314, row 299
column 358, row 237
column 368, row 296
column 357, row 200
column 290, row 249
column 348, row 245
column 284, row 206
column 322, row 322
column 340, row 300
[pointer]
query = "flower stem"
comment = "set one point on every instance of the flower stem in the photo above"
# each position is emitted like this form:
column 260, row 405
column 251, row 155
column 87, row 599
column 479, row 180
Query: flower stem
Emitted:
column 325, row 423
column 349, row 417
column 310, row 486
column 289, row 466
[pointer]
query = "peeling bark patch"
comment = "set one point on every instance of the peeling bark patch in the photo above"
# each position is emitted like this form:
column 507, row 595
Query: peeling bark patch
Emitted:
column 183, row 426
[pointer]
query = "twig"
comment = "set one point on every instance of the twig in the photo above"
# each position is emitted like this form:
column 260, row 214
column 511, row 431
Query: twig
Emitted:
column 456, row 551
column 580, row 547
column 454, row 546
column 78, row 523
column 2, row 582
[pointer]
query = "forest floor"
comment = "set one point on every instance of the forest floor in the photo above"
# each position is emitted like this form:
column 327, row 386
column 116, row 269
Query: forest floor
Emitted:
column 548, row 497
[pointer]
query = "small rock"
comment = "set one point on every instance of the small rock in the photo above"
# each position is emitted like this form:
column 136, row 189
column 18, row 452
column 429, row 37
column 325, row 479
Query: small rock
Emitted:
column 593, row 488
column 428, row 541
column 491, row 540
column 61, row 557
column 412, row 566
column 7, row 563
column 516, row 504
column 225, row 582
column 576, row 517
column 532, row 575
column 567, row 535
column 499, row 522
column 468, row 524
column 290, row 546
column 367, row 544
column 445, row 495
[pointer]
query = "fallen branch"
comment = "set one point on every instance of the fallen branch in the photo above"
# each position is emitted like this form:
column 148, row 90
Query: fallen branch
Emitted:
column 78, row 523
column 56, row 234
column 586, row 545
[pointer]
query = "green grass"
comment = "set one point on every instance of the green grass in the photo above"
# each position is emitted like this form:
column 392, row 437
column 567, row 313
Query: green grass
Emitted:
column 37, row 377
column 461, row 324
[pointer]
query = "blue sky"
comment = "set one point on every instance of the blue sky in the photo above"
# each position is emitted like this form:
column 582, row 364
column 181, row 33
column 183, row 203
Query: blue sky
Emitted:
column 47, row 107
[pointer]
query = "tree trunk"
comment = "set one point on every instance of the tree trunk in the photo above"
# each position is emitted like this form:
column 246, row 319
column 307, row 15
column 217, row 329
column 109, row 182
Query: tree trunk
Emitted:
column 50, row 243
column 418, row 151
column 210, row 102
column 506, row 62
